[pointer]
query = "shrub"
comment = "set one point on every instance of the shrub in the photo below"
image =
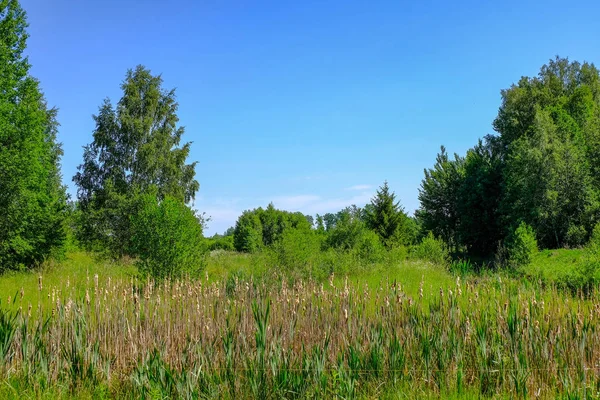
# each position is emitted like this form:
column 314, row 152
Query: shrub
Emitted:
column 432, row 249
column 166, row 237
column 297, row 252
column 521, row 246
column 586, row 273
column 221, row 243
column 369, row 247
column 347, row 233
column 396, row 255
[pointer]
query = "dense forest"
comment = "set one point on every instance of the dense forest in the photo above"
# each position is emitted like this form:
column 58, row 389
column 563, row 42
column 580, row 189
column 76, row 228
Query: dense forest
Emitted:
column 534, row 182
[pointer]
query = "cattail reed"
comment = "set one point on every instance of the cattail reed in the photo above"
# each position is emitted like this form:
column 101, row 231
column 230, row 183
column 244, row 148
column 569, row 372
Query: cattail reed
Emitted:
column 244, row 339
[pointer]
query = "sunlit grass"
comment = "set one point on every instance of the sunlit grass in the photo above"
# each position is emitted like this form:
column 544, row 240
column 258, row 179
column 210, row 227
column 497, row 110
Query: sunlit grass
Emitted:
column 72, row 275
column 554, row 265
column 408, row 329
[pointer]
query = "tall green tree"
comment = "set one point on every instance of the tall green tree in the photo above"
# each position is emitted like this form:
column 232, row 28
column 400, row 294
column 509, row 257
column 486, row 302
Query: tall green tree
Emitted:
column 136, row 149
column 550, row 127
column 541, row 169
column 548, row 185
column 32, row 198
column 439, row 196
column 248, row 232
column 479, row 227
column 387, row 218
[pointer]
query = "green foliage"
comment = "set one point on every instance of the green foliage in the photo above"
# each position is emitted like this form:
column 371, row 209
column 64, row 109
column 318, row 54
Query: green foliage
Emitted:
column 433, row 250
column 275, row 222
column 369, row 247
column 247, row 236
column 297, row 253
column 549, row 185
column 439, row 198
column 460, row 199
column 347, row 230
column 479, row 227
column 221, row 243
column 8, row 328
column 387, row 218
column 32, row 198
column 521, row 246
column 461, row 267
column 166, row 237
column 258, row 228
column 541, row 168
column 136, row 149
column 586, row 274
column 549, row 127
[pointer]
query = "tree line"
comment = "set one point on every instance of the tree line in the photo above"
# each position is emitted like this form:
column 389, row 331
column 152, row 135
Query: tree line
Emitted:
column 541, row 168
column 536, row 178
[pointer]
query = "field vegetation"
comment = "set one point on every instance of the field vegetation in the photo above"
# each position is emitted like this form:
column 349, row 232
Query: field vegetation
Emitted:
column 491, row 289
column 413, row 331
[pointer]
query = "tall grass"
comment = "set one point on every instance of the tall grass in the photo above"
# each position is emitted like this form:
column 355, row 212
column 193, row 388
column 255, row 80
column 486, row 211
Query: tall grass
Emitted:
column 245, row 339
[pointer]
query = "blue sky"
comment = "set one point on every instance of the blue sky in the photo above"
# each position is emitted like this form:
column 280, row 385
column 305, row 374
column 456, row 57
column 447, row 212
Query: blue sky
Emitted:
column 309, row 104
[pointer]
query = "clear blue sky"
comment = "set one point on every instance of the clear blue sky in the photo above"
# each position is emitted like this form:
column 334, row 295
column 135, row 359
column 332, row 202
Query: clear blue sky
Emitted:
column 309, row 104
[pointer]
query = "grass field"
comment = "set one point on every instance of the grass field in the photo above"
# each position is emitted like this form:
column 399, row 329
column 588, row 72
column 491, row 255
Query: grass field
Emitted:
column 406, row 330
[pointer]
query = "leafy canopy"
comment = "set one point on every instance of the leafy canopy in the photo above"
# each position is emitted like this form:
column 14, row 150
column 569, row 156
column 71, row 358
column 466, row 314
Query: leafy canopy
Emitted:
column 136, row 149
column 542, row 167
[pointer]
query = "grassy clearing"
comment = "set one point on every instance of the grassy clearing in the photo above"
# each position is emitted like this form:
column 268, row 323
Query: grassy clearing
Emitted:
column 554, row 265
column 73, row 275
column 408, row 330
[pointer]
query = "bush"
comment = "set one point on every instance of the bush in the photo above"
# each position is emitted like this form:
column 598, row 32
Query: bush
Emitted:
column 221, row 243
column 347, row 233
column 369, row 247
column 396, row 255
column 521, row 246
column 297, row 251
column 166, row 237
column 586, row 274
column 432, row 249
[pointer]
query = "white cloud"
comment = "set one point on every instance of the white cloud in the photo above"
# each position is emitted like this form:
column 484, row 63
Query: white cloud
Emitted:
column 359, row 187
column 294, row 202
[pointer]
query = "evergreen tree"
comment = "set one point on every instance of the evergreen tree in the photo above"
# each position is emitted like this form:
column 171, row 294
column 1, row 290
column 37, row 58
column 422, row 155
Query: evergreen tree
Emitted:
column 387, row 218
column 479, row 227
column 32, row 198
column 439, row 196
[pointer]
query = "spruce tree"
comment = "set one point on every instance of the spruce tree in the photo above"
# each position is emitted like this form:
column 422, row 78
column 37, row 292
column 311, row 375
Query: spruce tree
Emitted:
column 387, row 218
